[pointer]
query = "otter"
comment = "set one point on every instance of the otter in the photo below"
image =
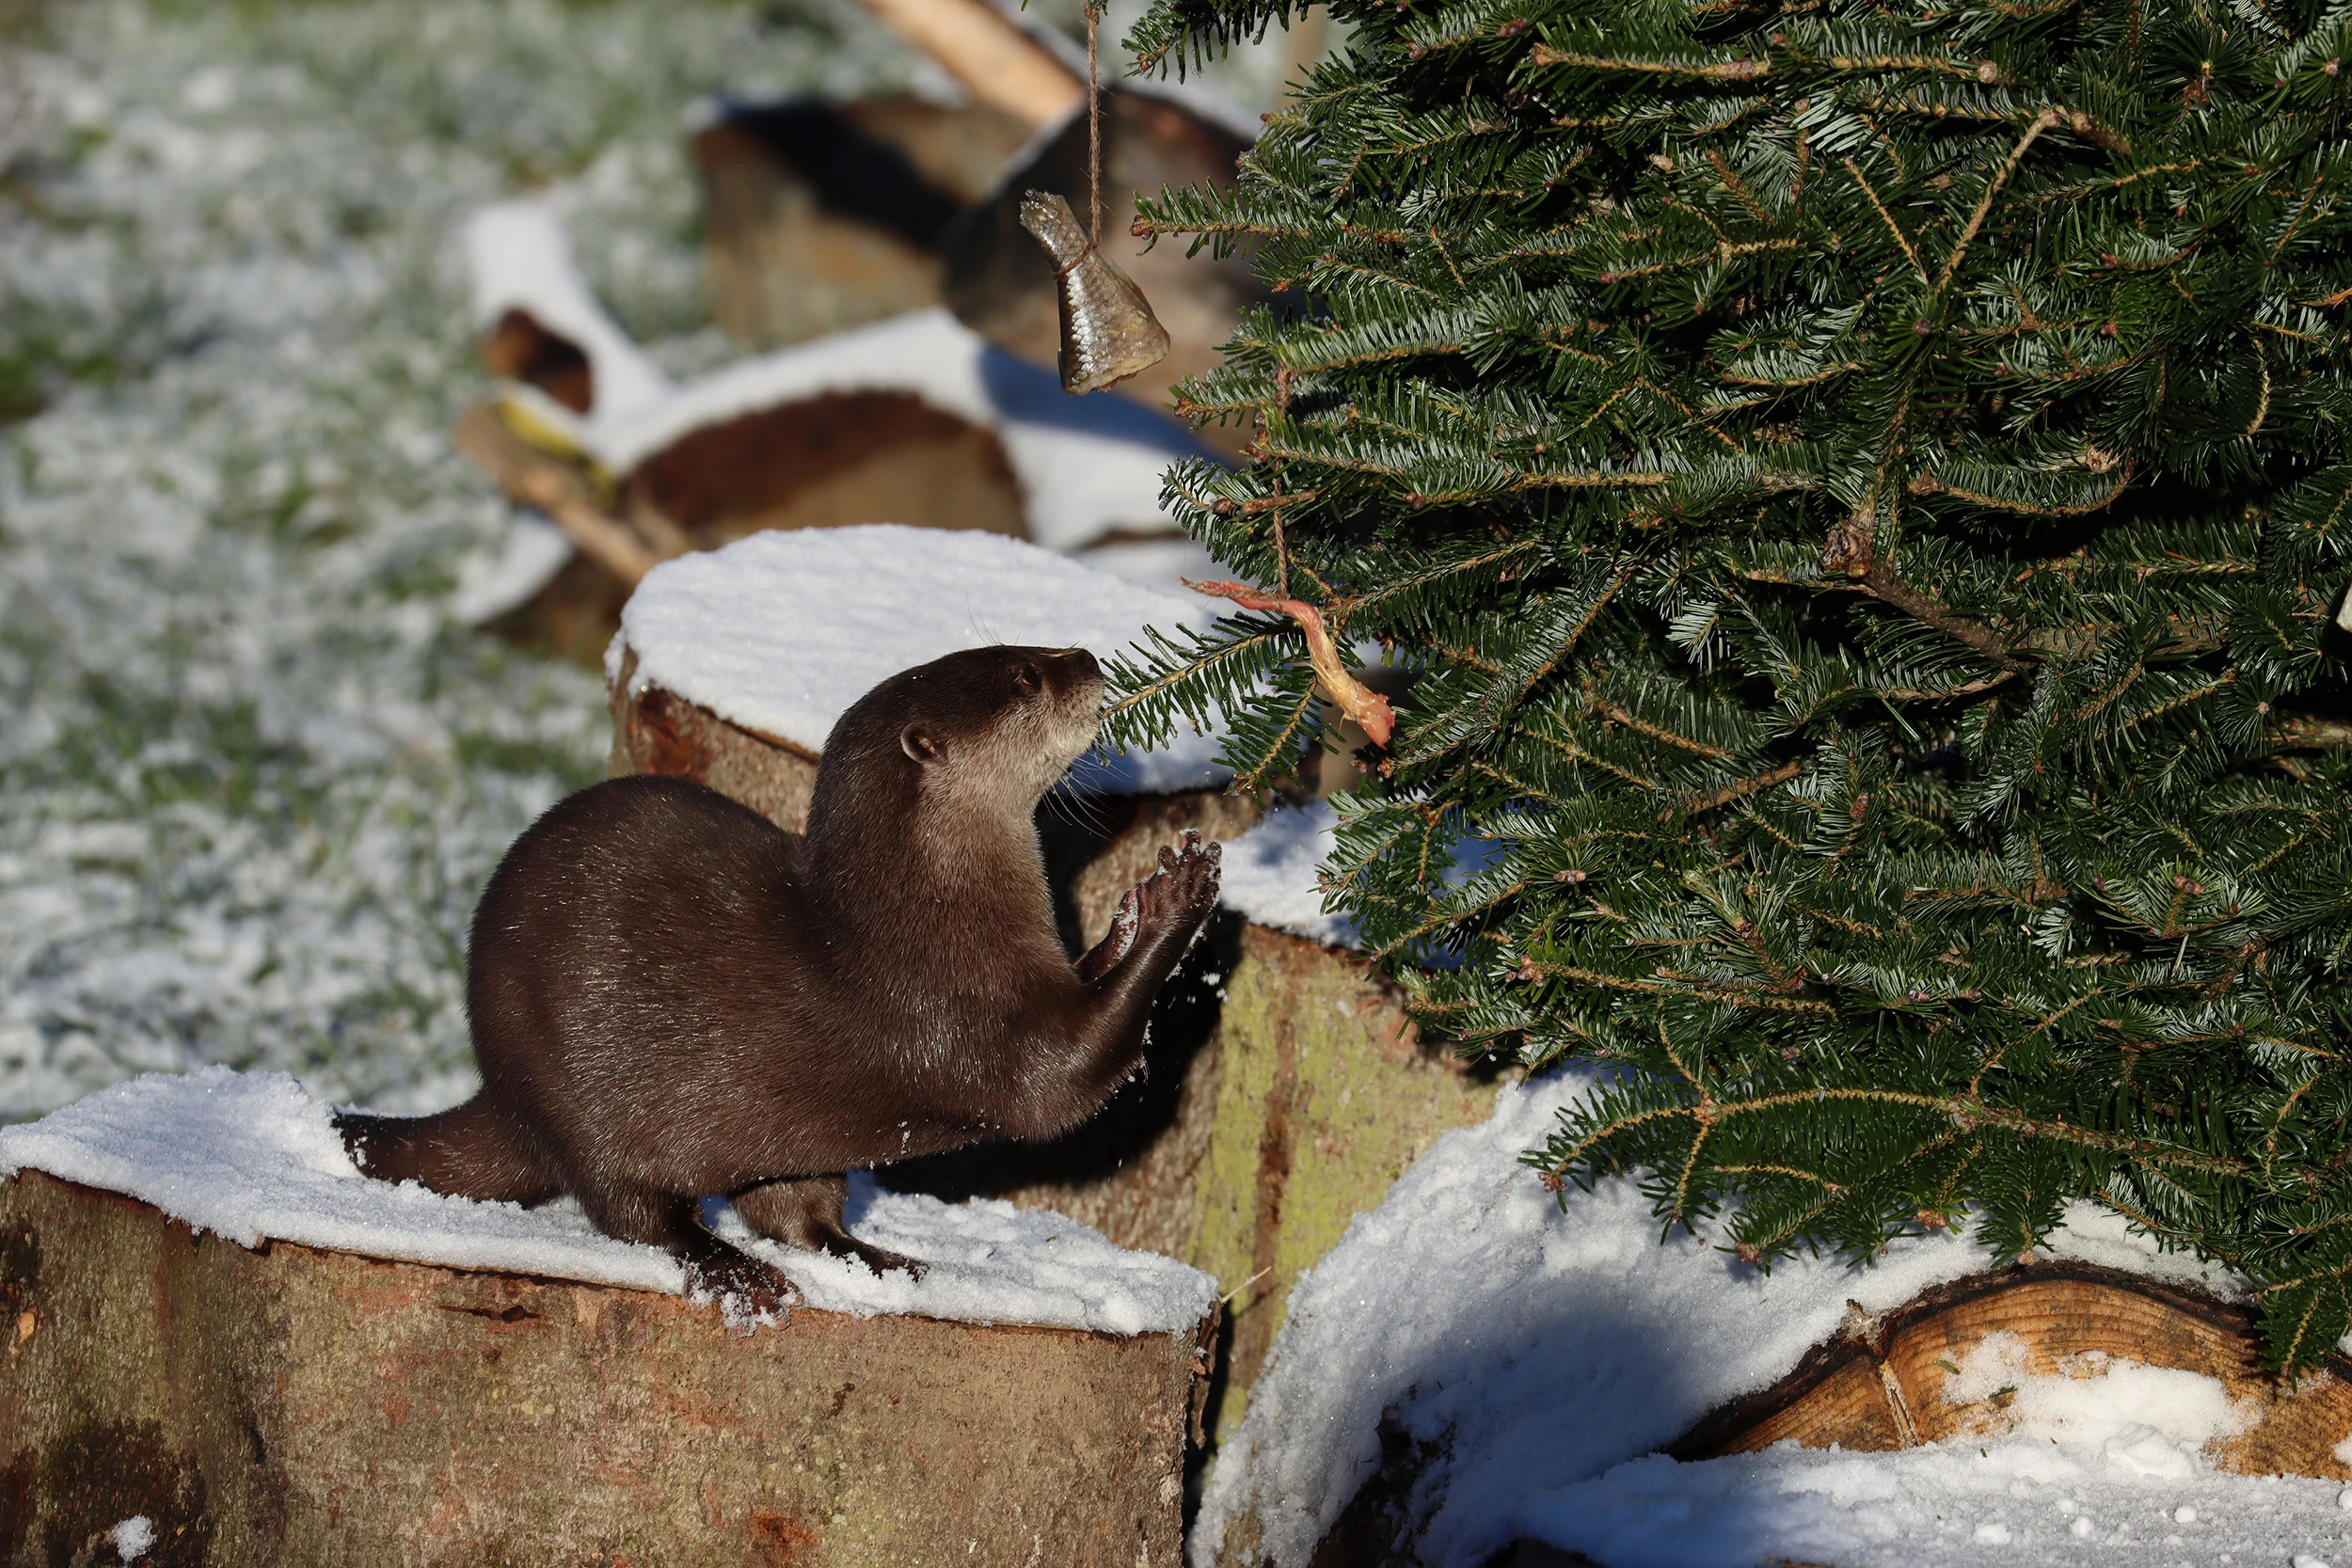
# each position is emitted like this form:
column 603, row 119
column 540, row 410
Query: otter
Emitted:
column 672, row 998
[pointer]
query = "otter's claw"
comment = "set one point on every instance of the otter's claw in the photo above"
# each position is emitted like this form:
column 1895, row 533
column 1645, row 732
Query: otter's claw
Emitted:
column 1184, row 889
column 881, row 1259
column 748, row 1293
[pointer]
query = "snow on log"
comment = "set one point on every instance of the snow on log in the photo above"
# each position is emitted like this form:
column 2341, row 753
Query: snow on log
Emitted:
column 538, row 313
column 214, row 1322
column 1961, row 1360
column 1485, row 1370
column 915, row 419
column 1084, row 469
column 1285, row 1091
column 1078, row 470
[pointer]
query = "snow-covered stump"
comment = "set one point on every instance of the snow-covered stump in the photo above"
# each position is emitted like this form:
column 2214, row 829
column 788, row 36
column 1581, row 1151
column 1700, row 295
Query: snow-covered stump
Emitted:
column 277, row 1401
column 915, row 419
column 1287, row 1089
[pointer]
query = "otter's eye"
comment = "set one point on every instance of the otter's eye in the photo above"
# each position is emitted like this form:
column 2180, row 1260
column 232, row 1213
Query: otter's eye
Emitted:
column 1024, row 678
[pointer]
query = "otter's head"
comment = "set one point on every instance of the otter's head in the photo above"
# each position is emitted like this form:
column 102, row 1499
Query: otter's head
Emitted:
column 991, row 727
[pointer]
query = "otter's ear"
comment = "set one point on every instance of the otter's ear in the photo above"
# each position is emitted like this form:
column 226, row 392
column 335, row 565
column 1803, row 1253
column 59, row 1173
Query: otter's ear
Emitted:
column 917, row 742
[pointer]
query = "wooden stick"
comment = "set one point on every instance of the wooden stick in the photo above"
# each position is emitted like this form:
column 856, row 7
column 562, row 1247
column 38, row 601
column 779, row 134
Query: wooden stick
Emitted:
column 533, row 479
column 997, row 63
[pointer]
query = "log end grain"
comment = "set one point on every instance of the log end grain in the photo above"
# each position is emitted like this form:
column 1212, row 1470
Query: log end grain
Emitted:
column 1888, row 1382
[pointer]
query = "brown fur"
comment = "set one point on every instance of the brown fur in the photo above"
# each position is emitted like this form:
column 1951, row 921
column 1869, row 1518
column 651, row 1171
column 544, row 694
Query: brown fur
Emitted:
column 673, row 998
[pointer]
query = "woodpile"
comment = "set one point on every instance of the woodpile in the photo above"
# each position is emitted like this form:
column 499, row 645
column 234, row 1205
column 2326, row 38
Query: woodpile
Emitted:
column 822, row 219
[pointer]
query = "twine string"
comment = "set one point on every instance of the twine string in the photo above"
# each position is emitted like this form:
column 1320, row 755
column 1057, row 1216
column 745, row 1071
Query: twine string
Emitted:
column 1094, row 132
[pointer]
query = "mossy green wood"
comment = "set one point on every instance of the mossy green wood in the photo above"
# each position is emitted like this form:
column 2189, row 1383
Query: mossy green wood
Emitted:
column 1323, row 1097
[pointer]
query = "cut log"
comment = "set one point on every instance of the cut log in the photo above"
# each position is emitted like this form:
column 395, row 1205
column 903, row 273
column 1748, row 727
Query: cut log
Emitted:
column 518, row 348
column 1285, row 1089
column 295, row 1406
column 823, row 462
column 828, row 462
column 1887, row 1381
column 818, row 217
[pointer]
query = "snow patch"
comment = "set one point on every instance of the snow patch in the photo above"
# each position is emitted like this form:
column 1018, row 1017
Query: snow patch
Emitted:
column 251, row 1156
column 134, row 1538
column 2015, row 1500
column 520, row 261
column 2138, row 1420
column 780, row 632
column 529, row 555
column 1538, row 1346
column 1273, row 874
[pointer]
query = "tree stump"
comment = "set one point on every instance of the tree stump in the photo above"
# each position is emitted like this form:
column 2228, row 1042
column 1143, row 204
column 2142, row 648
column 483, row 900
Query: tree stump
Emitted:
column 294, row 1405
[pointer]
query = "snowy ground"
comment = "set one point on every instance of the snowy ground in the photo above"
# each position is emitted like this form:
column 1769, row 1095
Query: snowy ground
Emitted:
column 253, row 770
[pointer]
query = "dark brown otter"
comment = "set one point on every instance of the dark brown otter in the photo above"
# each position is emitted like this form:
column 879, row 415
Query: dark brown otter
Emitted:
column 673, row 998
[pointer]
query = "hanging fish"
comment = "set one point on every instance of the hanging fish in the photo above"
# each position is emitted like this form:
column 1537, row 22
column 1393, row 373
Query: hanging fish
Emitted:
column 1108, row 331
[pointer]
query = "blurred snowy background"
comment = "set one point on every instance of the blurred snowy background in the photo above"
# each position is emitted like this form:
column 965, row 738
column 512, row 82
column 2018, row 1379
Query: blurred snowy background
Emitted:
column 253, row 768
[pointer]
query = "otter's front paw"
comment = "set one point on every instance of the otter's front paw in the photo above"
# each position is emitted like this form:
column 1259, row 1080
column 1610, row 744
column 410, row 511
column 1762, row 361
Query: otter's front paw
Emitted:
column 748, row 1293
column 1117, row 943
column 1179, row 894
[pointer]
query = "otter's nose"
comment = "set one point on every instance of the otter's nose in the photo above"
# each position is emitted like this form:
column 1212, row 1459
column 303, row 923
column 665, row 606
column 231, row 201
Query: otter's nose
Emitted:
column 1083, row 662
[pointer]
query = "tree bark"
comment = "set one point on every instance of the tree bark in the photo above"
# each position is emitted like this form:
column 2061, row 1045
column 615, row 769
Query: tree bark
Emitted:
column 293, row 1405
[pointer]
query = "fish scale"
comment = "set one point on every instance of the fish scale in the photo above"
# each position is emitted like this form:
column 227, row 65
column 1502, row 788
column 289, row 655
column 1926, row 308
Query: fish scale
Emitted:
column 1108, row 331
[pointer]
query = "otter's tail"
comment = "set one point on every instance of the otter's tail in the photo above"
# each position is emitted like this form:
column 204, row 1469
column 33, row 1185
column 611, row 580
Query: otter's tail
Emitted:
column 469, row 1150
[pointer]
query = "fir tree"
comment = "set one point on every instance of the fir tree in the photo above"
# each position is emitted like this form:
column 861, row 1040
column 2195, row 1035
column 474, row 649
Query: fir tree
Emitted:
column 1863, row 489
